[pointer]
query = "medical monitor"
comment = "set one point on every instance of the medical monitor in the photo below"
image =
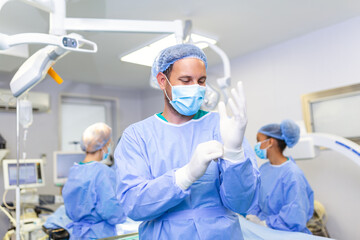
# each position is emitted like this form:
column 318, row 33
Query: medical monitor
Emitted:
column 63, row 161
column 31, row 173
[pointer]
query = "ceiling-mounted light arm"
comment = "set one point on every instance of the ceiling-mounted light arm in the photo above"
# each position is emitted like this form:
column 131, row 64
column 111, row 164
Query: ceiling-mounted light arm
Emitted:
column 57, row 18
column 119, row 25
column 224, row 82
column 187, row 30
column 59, row 23
column 73, row 42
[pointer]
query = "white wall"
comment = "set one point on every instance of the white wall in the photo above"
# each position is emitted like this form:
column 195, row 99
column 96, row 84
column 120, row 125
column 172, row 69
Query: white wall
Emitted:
column 43, row 133
column 153, row 102
column 274, row 80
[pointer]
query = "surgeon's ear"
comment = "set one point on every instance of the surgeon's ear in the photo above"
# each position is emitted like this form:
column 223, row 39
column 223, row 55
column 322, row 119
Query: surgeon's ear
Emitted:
column 161, row 80
column 271, row 142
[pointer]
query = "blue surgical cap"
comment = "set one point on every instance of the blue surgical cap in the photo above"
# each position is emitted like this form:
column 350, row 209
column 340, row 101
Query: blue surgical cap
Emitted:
column 288, row 131
column 172, row 54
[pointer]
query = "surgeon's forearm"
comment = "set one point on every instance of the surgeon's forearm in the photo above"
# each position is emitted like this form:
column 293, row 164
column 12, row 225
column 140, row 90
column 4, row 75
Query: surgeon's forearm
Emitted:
column 238, row 186
column 276, row 222
column 292, row 217
column 152, row 198
column 115, row 215
column 254, row 209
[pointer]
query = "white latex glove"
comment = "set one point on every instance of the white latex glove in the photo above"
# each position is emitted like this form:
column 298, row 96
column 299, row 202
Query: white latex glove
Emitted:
column 195, row 169
column 255, row 219
column 232, row 129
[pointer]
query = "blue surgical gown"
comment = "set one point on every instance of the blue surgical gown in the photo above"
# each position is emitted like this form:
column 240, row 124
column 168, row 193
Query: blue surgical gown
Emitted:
column 286, row 200
column 90, row 201
column 146, row 158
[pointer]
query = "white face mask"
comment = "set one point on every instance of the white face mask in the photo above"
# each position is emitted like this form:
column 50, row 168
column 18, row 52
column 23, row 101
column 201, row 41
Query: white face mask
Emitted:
column 261, row 153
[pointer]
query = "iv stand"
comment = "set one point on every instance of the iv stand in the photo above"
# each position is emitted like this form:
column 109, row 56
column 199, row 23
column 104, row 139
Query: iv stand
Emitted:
column 18, row 168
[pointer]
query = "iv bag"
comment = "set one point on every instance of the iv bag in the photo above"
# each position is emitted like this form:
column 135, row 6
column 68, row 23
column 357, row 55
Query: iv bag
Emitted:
column 26, row 114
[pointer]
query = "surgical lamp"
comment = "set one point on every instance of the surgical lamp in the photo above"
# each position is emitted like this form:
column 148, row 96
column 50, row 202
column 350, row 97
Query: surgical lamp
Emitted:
column 35, row 68
column 211, row 98
column 224, row 82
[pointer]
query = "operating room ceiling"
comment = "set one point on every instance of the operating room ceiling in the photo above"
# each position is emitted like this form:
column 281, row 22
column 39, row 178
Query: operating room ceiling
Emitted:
column 239, row 26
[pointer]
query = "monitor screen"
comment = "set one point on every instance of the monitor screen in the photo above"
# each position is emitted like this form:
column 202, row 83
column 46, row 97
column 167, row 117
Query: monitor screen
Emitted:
column 63, row 161
column 30, row 173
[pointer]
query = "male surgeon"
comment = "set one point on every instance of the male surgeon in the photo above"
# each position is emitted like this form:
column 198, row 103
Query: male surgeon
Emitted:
column 184, row 171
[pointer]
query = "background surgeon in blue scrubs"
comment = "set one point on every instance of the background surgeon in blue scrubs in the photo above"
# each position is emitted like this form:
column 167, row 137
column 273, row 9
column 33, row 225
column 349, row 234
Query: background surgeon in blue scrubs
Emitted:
column 89, row 193
column 184, row 172
column 286, row 200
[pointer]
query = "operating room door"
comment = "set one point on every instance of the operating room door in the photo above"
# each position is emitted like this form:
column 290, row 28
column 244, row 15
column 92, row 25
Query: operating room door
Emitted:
column 77, row 113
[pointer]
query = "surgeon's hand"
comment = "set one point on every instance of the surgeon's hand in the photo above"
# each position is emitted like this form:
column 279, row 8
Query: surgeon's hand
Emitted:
column 255, row 219
column 232, row 128
column 195, row 169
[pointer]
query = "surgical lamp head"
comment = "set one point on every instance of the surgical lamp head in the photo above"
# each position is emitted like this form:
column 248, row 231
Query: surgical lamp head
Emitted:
column 287, row 131
column 95, row 137
column 35, row 68
column 170, row 55
column 211, row 98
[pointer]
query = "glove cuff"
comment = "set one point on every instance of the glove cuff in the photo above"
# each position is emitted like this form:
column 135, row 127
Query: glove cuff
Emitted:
column 182, row 178
column 235, row 156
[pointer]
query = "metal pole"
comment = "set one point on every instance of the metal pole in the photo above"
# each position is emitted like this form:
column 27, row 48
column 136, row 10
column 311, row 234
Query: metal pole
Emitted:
column 17, row 169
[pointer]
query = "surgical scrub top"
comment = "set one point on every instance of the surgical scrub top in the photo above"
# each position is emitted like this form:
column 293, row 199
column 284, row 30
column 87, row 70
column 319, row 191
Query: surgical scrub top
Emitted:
column 90, row 201
column 286, row 200
column 146, row 159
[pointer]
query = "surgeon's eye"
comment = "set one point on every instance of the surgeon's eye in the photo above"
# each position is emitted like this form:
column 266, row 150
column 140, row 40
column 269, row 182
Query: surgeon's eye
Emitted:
column 202, row 81
column 185, row 80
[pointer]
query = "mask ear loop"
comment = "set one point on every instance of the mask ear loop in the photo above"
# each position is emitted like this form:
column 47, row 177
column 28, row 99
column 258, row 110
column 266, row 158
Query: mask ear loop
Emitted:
column 265, row 141
column 165, row 89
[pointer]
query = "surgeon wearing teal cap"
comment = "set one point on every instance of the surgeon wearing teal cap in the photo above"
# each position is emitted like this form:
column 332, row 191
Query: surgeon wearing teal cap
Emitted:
column 285, row 200
column 89, row 193
column 185, row 171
